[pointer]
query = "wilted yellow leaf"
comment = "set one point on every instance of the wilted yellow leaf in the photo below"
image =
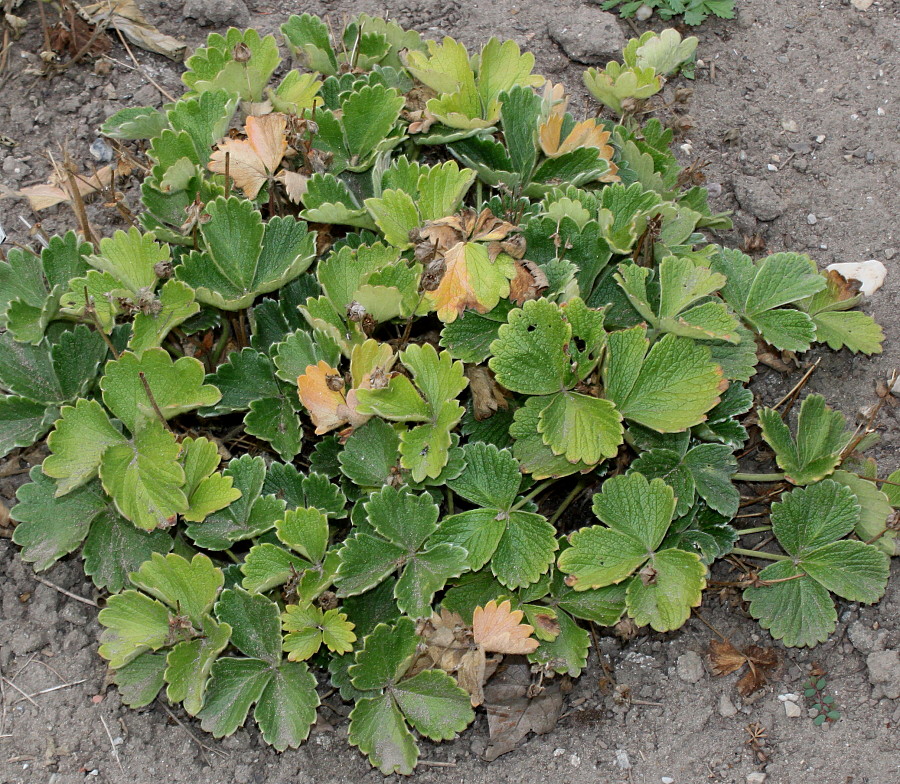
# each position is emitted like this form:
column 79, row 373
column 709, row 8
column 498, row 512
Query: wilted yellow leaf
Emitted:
column 587, row 133
column 254, row 159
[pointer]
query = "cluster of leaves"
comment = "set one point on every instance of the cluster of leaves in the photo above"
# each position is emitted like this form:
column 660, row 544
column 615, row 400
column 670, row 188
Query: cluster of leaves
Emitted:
column 441, row 343
column 823, row 707
column 692, row 12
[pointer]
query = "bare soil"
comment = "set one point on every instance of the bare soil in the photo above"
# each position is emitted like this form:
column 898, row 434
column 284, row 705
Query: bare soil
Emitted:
column 800, row 116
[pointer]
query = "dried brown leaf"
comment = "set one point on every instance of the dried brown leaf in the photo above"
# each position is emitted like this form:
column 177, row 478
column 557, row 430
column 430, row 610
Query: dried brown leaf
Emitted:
column 530, row 282
column 487, row 396
column 513, row 714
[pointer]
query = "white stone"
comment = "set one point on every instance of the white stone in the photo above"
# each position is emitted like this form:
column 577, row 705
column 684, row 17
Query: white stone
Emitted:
column 667, row 780
column 792, row 710
column 869, row 274
column 622, row 761
column 811, row 219
column 757, row 777
column 643, row 13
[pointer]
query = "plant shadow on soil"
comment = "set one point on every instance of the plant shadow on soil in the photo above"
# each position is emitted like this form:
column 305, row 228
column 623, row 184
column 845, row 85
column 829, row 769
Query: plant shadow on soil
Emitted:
column 800, row 102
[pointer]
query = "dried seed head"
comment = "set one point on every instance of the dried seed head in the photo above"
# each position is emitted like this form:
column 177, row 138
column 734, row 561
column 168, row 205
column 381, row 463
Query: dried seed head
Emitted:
column 241, row 53
column 355, row 311
column 334, row 382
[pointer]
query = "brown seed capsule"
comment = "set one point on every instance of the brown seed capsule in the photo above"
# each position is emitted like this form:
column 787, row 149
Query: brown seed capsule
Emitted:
column 334, row 382
column 241, row 53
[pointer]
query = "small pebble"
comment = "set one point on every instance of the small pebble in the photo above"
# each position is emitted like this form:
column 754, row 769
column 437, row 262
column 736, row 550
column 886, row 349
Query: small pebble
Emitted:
column 771, row 167
column 726, row 707
column 820, row 138
column 811, row 219
column 622, row 760
column 667, row 780
column 879, row 111
column 889, row 253
column 757, row 777
column 643, row 13
column 792, row 710
column 790, row 126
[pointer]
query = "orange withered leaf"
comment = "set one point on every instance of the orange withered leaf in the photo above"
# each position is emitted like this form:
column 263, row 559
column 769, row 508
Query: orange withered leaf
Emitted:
column 322, row 392
column 499, row 629
column 253, row 160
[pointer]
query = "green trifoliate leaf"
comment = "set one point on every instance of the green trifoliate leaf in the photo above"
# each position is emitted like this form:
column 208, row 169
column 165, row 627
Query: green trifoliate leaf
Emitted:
column 520, row 545
column 215, row 67
column 809, row 524
column 794, row 608
column 567, row 652
column 668, row 388
column 267, row 566
column 51, row 372
column 244, row 257
column 246, row 376
column 188, row 587
column 141, row 680
column 144, row 477
column 176, row 386
column 30, row 285
column 302, row 348
column 637, row 514
column 664, row 52
column 206, row 490
column 134, row 624
column 402, row 517
column 78, row 442
column 175, row 305
column 250, row 515
column 584, row 429
column 838, row 325
column 49, row 527
column 704, row 470
column 189, row 663
column 307, row 628
column 315, row 490
column 434, row 704
column 274, row 420
column 529, row 353
column 404, row 521
column 491, row 477
column 666, row 588
column 681, row 285
column 115, row 548
column 816, row 451
column 131, row 258
column 305, row 531
column 755, row 291
column 529, row 449
column 702, row 531
column 23, row 422
column 378, row 730
column 425, row 449
column 369, row 458
column 386, row 655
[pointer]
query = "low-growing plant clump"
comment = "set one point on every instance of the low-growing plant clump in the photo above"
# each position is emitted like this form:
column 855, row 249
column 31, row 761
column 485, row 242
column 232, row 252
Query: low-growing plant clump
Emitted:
column 321, row 415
